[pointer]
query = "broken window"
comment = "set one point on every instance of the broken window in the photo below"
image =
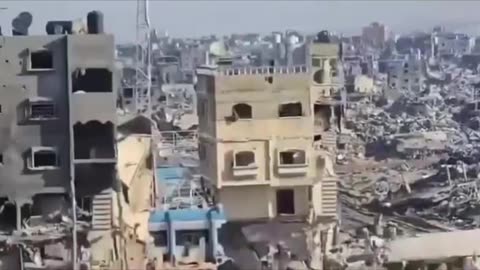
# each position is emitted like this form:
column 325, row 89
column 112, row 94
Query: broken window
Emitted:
column 85, row 203
column 41, row 60
column 244, row 159
column 317, row 138
column 290, row 109
column 292, row 157
column 43, row 158
column 8, row 215
column 0, row 108
column 191, row 237
column 94, row 140
column 160, row 238
column 128, row 92
column 318, row 76
column 322, row 113
column 92, row 80
column 1, row 159
column 242, row 111
column 41, row 110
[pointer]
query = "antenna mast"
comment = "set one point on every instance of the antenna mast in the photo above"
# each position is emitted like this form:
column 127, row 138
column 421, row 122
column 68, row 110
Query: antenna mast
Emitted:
column 143, row 73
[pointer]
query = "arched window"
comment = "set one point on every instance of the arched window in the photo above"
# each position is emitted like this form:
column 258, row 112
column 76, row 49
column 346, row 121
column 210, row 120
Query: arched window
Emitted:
column 244, row 159
column 242, row 111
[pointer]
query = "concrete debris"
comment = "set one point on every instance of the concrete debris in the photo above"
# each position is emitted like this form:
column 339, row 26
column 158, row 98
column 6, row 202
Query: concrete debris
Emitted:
column 412, row 167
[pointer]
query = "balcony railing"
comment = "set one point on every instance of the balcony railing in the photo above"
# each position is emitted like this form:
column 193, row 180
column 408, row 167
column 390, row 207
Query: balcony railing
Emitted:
column 178, row 139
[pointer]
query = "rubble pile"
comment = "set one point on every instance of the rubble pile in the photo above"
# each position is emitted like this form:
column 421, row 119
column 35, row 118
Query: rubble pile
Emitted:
column 414, row 155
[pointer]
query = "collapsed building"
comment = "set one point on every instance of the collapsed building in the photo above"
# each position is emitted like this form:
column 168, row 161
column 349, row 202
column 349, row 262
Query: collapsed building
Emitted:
column 58, row 151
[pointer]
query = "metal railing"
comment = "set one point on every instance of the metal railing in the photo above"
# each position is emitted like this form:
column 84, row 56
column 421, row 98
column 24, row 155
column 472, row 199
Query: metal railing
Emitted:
column 178, row 139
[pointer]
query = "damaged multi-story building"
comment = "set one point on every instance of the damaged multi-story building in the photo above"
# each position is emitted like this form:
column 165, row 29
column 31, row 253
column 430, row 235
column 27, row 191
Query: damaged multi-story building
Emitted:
column 267, row 135
column 57, row 145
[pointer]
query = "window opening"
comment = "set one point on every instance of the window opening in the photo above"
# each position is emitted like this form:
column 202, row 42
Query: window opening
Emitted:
column 128, row 92
column 41, row 110
column 292, row 157
column 43, row 158
column 41, row 60
column 244, row 159
column 92, row 80
column 242, row 111
column 290, row 109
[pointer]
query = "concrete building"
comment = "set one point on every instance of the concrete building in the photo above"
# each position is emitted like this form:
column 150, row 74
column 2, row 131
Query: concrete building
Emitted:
column 265, row 133
column 375, row 35
column 452, row 44
column 57, row 127
column 406, row 72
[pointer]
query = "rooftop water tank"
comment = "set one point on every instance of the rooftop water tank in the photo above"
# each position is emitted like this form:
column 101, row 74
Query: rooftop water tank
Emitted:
column 95, row 22
column 323, row 37
column 59, row 27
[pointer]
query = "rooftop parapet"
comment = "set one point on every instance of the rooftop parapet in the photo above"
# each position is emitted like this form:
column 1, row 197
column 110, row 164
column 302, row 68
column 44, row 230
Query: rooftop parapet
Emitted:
column 249, row 70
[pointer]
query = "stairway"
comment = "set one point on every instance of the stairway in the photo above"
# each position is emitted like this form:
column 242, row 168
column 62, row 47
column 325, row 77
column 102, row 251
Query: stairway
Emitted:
column 329, row 139
column 329, row 196
column 102, row 211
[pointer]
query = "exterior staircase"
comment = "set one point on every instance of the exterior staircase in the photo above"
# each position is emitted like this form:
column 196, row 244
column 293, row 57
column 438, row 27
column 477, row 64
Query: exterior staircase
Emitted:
column 329, row 139
column 102, row 211
column 329, row 196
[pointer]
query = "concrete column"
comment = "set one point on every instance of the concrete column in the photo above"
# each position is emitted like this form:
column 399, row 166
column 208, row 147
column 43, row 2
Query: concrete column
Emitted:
column 271, row 202
column 172, row 241
column 213, row 237
column 18, row 205
column 332, row 117
column 326, row 72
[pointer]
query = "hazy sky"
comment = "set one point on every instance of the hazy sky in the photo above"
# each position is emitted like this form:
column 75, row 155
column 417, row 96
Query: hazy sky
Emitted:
column 196, row 18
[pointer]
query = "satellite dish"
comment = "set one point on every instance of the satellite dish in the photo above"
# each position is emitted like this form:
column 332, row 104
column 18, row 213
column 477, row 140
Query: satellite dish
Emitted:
column 21, row 23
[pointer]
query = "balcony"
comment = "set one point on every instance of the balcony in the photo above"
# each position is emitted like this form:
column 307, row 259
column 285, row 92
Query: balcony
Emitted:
column 245, row 171
column 292, row 169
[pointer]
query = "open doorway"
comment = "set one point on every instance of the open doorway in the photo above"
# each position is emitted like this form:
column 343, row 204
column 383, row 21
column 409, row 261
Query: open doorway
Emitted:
column 322, row 115
column 285, row 202
column 8, row 215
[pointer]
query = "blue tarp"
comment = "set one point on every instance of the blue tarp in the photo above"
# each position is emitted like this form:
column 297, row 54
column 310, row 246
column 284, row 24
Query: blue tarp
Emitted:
column 169, row 178
column 186, row 215
column 170, row 174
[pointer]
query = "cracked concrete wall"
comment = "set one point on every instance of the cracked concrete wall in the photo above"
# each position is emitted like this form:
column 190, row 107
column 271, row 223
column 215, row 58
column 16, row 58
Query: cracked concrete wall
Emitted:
column 17, row 135
column 93, row 52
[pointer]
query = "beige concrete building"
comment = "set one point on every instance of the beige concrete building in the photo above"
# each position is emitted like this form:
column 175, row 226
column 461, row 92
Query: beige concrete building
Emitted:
column 264, row 142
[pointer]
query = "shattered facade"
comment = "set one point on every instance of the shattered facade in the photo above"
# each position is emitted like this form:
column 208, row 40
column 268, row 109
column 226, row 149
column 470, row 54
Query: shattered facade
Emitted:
column 57, row 127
